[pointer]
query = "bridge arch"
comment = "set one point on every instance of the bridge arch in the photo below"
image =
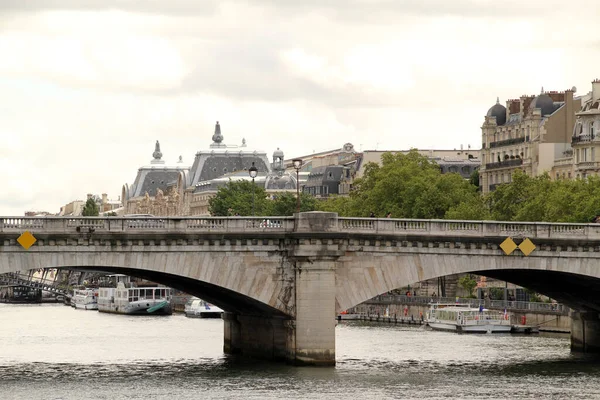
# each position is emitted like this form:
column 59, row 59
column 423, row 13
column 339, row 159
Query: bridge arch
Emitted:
column 573, row 282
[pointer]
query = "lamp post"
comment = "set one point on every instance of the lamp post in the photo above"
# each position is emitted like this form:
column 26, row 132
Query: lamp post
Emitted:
column 297, row 165
column 253, row 172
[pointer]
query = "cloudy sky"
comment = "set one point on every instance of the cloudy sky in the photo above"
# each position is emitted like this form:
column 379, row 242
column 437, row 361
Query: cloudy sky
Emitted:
column 88, row 86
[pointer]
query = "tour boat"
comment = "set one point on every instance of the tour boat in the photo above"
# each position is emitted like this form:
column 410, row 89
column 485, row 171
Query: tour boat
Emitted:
column 85, row 299
column 198, row 308
column 463, row 318
column 126, row 298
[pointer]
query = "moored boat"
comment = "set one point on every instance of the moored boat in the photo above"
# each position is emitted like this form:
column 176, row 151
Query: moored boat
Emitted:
column 198, row 308
column 463, row 318
column 125, row 298
column 85, row 299
column 19, row 294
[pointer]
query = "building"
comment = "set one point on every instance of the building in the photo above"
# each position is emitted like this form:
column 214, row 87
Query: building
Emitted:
column 584, row 156
column 529, row 134
column 460, row 161
column 180, row 190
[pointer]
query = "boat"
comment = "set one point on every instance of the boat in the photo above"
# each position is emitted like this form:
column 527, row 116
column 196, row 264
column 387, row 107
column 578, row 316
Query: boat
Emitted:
column 20, row 294
column 126, row 297
column 85, row 299
column 464, row 318
column 198, row 308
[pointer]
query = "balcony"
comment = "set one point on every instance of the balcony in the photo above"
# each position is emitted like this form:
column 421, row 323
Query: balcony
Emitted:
column 508, row 142
column 505, row 164
column 586, row 165
column 582, row 139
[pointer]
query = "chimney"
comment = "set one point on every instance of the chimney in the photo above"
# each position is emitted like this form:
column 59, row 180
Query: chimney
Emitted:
column 104, row 198
column 569, row 115
column 596, row 89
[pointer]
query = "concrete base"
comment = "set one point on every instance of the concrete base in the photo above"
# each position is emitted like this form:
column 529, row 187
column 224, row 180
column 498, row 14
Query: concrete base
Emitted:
column 585, row 332
column 257, row 337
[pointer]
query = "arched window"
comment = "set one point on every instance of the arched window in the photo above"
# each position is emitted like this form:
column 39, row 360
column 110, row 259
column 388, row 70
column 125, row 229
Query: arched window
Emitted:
column 592, row 130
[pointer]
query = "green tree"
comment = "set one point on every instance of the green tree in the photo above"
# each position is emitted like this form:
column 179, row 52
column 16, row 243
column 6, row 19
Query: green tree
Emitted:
column 468, row 284
column 407, row 185
column 236, row 198
column 474, row 178
column 284, row 204
column 90, row 209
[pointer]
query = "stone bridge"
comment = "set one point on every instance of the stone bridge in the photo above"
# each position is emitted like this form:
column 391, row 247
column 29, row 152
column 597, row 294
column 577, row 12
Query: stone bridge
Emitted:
column 283, row 280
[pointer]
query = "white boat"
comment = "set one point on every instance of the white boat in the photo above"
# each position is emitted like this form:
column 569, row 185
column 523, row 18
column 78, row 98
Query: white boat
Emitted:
column 126, row 298
column 463, row 318
column 198, row 308
column 85, row 299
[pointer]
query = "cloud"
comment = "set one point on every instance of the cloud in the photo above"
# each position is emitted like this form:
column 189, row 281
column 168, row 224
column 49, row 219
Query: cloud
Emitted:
column 86, row 87
column 171, row 7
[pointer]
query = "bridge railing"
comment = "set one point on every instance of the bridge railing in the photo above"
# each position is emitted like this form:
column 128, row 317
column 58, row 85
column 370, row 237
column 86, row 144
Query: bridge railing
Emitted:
column 439, row 228
column 491, row 304
column 179, row 224
column 452, row 228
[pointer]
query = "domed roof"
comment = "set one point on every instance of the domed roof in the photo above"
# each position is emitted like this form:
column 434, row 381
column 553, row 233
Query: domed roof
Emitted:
column 278, row 153
column 498, row 111
column 543, row 102
column 280, row 182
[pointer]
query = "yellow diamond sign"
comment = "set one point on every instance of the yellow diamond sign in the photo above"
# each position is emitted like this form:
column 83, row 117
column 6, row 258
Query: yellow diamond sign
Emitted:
column 26, row 240
column 508, row 246
column 527, row 246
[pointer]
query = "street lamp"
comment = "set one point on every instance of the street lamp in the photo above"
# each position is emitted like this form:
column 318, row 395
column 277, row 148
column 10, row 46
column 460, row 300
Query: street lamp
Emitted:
column 253, row 172
column 297, row 165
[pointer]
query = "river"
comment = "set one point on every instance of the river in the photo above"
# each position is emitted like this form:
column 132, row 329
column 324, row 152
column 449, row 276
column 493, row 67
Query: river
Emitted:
column 52, row 351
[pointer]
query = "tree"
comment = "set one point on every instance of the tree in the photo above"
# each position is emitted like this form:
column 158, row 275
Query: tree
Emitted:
column 90, row 209
column 467, row 283
column 474, row 179
column 235, row 198
column 407, row 185
column 284, row 204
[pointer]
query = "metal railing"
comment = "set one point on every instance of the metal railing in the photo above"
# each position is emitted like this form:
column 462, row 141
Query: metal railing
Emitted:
column 491, row 304
column 514, row 162
column 47, row 285
column 508, row 142
column 581, row 139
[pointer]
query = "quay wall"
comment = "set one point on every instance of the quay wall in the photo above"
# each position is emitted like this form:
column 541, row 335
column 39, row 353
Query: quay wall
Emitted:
column 547, row 322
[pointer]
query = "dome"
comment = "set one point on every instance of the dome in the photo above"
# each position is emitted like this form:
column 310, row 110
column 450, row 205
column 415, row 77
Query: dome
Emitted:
column 280, row 182
column 543, row 102
column 498, row 111
column 278, row 153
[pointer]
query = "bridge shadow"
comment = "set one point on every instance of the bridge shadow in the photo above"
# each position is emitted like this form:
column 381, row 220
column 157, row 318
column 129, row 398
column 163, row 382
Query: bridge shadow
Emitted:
column 226, row 299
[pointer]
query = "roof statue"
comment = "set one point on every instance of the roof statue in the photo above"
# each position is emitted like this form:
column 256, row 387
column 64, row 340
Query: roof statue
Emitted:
column 157, row 154
column 217, row 137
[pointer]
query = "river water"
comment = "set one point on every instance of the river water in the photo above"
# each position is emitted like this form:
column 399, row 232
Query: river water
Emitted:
column 55, row 352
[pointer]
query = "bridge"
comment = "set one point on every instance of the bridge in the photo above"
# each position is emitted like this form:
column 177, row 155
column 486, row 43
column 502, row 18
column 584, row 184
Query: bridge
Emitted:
column 283, row 280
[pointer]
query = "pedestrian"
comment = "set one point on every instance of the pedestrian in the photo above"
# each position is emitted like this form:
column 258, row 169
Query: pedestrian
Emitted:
column 389, row 215
column 372, row 215
column 415, row 293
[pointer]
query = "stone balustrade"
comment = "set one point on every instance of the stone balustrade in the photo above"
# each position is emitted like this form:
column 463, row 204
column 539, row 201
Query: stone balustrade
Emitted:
column 380, row 226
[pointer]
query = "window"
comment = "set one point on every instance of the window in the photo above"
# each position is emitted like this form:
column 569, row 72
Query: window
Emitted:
column 592, row 129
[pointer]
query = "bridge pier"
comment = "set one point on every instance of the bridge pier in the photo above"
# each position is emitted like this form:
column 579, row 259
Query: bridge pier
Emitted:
column 585, row 332
column 315, row 313
column 307, row 340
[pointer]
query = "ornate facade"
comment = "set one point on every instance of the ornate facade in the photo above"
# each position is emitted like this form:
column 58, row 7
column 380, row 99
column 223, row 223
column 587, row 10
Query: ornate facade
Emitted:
column 554, row 133
column 530, row 133
column 182, row 190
